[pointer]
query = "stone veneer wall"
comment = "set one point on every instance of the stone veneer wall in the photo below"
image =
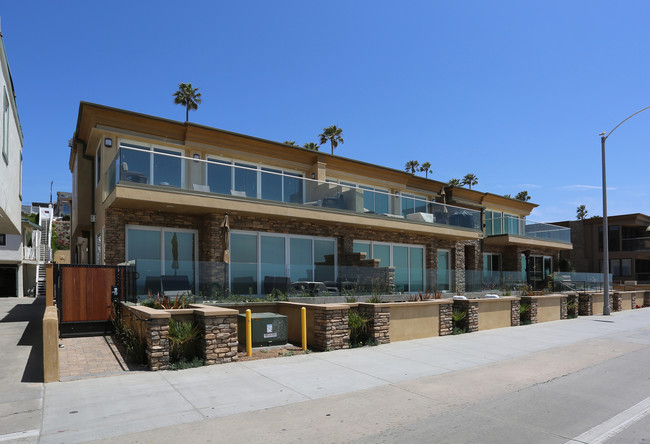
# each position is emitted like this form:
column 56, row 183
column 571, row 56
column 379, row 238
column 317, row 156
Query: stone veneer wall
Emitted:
column 617, row 301
column 446, row 323
column 218, row 341
column 585, row 305
column 515, row 317
column 331, row 327
column 379, row 324
column 572, row 299
column 564, row 312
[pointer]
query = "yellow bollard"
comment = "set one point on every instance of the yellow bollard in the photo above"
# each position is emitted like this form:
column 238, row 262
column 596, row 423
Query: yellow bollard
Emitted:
column 303, row 323
column 249, row 335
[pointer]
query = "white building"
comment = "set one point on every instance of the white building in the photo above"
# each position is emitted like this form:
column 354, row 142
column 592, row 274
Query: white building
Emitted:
column 11, row 166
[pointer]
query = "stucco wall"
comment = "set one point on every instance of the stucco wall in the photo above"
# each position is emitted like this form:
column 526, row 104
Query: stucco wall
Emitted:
column 494, row 313
column 548, row 308
column 414, row 320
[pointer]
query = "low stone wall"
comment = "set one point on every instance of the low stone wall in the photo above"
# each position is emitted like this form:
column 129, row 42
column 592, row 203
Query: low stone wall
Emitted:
column 530, row 315
column 219, row 331
column 331, row 330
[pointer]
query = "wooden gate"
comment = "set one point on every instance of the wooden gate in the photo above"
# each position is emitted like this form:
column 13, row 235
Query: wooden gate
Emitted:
column 84, row 296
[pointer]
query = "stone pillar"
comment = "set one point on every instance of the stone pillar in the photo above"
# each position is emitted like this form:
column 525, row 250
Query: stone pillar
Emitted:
column 331, row 328
column 617, row 301
column 564, row 312
column 379, row 324
column 531, row 315
column 446, row 322
column 157, row 336
column 515, row 318
column 219, row 340
column 585, row 305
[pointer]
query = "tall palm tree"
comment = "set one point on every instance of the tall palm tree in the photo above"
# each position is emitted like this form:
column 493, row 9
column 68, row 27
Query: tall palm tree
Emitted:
column 426, row 168
column 412, row 166
column 290, row 142
column 311, row 146
column 581, row 212
column 523, row 195
column 470, row 179
column 453, row 182
column 188, row 97
column 333, row 135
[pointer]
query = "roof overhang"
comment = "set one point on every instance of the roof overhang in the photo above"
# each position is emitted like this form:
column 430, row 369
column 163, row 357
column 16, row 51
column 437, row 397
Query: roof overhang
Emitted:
column 512, row 240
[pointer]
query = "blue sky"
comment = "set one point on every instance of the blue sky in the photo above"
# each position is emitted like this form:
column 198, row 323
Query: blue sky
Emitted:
column 515, row 92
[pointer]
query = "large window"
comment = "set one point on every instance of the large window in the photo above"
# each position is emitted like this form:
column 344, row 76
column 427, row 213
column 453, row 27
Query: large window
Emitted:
column 256, row 256
column 614, row 238
column 444, row 270
column 497, row 223
column 162, row 252
column 408, row 261
column 142, row 163
column 248, row 180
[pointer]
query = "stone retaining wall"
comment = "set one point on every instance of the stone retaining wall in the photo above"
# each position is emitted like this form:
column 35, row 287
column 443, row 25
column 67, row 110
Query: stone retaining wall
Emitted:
column 379, row 324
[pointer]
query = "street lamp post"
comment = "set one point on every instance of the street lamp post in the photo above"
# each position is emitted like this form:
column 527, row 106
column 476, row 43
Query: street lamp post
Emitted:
column 603, row 138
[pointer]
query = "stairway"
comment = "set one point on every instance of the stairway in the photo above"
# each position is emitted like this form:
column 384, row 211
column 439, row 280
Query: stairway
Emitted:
column 44, row 256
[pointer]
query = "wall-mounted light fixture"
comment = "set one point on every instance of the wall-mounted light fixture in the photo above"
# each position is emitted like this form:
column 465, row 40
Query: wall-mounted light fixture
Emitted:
column 108, row 142
column 313, row 175
column 197, row 156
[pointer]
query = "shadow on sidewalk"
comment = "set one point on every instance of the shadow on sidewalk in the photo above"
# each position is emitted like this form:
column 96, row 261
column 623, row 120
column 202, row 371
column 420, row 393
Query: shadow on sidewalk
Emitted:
column 32, row 336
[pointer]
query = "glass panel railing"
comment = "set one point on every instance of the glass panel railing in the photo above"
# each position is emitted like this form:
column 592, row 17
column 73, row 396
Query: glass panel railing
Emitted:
column 526, row 228
column 141, row 166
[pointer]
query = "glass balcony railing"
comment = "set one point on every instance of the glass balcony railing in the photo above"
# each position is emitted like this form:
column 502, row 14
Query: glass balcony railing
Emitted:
column 168, row 169
column 527, row 228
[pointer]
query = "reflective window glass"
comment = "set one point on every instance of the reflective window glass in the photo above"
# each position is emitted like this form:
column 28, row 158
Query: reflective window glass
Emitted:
column 219, row 176
column 167, row 168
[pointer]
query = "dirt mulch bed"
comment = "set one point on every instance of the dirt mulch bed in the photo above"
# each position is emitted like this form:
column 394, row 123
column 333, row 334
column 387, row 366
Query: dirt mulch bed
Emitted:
column 271, row 352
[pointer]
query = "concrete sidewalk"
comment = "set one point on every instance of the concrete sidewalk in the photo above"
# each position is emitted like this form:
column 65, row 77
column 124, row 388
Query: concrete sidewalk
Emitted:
column 108, row 407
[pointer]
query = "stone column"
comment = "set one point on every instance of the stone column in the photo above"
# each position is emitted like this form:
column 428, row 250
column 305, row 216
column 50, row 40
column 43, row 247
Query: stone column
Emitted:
column 331, row 327
column 585, row 305
column 617, row 301
column 515, row 318
column 470, row 323
column 219, row 340
column 157, row 336
column 446, row 322
column 572, row 301
column 564, row 312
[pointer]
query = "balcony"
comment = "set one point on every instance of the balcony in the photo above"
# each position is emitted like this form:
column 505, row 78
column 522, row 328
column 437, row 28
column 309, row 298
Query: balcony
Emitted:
column 514, row 230
column 167, row 170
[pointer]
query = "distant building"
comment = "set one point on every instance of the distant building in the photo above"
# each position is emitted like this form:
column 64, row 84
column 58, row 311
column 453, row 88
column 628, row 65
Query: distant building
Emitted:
column 629, row 246
column 11, row 167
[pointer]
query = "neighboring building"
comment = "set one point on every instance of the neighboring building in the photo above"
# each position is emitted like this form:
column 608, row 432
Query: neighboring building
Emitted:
column 11, row 166
column 63, row 205
column 226, row 210
column 629, row 246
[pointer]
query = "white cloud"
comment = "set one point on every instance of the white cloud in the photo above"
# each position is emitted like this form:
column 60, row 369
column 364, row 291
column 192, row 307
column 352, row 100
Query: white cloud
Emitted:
column 584, row 187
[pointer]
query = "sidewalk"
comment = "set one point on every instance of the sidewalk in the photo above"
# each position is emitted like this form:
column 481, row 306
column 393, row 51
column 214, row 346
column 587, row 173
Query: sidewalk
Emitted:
column 91, row 409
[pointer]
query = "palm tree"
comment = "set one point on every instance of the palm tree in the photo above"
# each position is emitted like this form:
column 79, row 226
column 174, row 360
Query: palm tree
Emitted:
column 523, row 195
column 426, row 168
column 311, row 146
column 453, row 182
column 188, row 97
column 581, row 212
column 333, row 135
column 508, row 196
column 290, row 142
column 470, row 179
column 412, row 166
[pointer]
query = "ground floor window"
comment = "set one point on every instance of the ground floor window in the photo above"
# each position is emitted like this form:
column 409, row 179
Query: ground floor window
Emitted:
column 408, row 261
column 491, row 268
column 256, row 257
column 162, row 252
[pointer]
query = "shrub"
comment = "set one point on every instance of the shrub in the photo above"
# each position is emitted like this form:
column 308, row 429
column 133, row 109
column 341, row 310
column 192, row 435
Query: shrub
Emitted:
column 524, row 314
column 459, row 324
column 183, row 338
column 358, row 325
column 136, row 346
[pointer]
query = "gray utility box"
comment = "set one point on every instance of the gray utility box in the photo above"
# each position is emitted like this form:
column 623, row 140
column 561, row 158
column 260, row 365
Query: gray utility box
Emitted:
column 266, row 329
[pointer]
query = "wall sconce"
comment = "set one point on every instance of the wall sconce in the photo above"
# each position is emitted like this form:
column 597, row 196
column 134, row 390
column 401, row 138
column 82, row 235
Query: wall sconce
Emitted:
column 197, row 156
column 313, row 175
column 108, row 142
